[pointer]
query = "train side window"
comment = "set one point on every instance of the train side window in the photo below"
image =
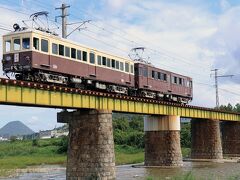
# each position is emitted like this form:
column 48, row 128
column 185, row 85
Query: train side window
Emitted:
column 73, row 53
column 67, row 51
column 113, row 63
column 44, row 45
column 159, row 75
column 61, row 50
column 84, row 56
column 121, row 66
column 165, row 77
column 16, row 44
column 190, row 84
column 175, row 80
column 180, row 81
column 79, row 55
column 131, row 68
column 117, row 64
column 145, row 72
column 104, row 61
column 183, row 82
column 92, row 58
column 156, row 75
column 36, row 43
column 99, row 60
column 153, row 73
column 54, row 48
column 26, row 43
column 7, row 45
column 126, row 67
column 108, row 62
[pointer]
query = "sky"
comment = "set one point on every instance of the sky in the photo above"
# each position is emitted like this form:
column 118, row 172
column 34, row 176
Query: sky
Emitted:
column 190, row 37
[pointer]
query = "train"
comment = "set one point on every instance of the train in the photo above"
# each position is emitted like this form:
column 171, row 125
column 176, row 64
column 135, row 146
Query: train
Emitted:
column 40, row 56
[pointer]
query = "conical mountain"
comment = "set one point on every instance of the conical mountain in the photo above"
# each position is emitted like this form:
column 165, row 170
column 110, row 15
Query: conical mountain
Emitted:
column 15, row 128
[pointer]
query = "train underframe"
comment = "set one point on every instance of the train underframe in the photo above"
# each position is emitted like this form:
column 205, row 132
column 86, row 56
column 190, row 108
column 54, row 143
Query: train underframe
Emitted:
column 92, row 84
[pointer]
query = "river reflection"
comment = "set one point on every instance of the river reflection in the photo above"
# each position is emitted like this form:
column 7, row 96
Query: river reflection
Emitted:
column 200, row 170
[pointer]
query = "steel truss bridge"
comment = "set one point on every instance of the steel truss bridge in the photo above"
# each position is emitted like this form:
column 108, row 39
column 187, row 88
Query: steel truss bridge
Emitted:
column 13, row 92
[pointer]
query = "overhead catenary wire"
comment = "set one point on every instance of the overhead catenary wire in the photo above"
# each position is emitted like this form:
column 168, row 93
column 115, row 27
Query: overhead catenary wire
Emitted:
column 158, row 51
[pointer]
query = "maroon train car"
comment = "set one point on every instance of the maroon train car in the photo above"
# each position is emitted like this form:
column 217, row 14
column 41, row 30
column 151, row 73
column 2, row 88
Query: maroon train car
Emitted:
column 38, row 56
column 153, row 82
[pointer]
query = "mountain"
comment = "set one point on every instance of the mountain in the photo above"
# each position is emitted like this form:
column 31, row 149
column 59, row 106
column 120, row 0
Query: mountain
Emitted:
column 15, row 128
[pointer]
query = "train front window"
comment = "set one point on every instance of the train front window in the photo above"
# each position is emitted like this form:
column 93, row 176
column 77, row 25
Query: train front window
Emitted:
column 16, row 44
column 8, row 46
column 36, row 43
column 145, row 72
column 92, row 58
column 44, row 45
column 26, row 43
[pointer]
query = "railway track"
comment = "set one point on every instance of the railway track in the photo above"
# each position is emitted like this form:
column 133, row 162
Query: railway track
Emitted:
column 57, row 88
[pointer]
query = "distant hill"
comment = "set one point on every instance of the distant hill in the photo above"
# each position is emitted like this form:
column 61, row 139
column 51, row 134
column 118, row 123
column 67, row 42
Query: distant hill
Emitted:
column 15, row 128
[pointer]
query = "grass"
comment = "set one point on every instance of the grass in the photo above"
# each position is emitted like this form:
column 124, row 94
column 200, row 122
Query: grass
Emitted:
column 128, row 155
column 20, row 154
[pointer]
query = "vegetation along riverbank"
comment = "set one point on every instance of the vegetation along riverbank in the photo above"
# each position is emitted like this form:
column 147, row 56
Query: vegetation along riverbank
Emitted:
column 128, row 137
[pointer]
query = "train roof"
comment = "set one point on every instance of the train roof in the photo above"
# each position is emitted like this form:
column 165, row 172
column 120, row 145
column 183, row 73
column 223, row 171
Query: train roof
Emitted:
column 50, row 35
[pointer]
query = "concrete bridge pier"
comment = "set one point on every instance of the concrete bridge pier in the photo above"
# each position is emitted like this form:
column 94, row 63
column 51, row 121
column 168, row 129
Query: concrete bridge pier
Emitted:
column 162, row 141
column 231, row 138
column 206, row 139
column 91, row 146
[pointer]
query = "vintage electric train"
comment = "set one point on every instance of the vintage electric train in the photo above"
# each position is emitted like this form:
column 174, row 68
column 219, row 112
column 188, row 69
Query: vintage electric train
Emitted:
column 35, row 55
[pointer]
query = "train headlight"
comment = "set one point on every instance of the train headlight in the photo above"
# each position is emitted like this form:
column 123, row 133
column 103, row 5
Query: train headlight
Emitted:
column 27, row 58
column 16, row 57
column 8, row 58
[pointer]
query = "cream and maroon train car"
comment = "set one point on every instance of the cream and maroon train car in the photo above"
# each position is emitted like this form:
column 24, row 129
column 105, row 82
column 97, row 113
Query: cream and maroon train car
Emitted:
column 39, row 56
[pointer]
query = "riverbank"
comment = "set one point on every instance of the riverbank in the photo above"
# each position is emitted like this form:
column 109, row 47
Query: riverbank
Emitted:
column 22, row 154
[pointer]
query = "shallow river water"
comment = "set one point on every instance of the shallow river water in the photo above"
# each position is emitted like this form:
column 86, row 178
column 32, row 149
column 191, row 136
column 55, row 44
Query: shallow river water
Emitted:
column 200, row 170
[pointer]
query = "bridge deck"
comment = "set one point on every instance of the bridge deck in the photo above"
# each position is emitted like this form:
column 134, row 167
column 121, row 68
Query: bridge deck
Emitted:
column 14, row 92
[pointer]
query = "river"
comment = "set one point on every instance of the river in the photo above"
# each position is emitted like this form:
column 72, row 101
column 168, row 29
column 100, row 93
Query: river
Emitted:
column 200, row 170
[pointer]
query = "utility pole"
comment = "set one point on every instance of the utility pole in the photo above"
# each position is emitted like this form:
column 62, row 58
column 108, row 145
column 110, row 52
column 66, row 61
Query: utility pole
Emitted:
column 216, row 84
column 64, row 19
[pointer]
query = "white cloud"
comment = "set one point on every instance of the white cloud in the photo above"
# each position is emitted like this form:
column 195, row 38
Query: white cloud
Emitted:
column 224, row 4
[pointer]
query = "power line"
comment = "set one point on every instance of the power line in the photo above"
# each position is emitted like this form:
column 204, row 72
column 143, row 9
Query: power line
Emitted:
column 155, row 51
column 216, row 76
column 123, row 51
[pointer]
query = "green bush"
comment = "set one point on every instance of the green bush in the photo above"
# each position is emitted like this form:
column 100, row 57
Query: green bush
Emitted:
column 63, row 145
column 35, row 142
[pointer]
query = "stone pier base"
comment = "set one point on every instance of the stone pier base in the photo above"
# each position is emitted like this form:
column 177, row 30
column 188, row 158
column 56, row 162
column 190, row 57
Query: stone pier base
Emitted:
column 91, row 145
column 206, row 139
column 231, row 138
column 162, row 141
